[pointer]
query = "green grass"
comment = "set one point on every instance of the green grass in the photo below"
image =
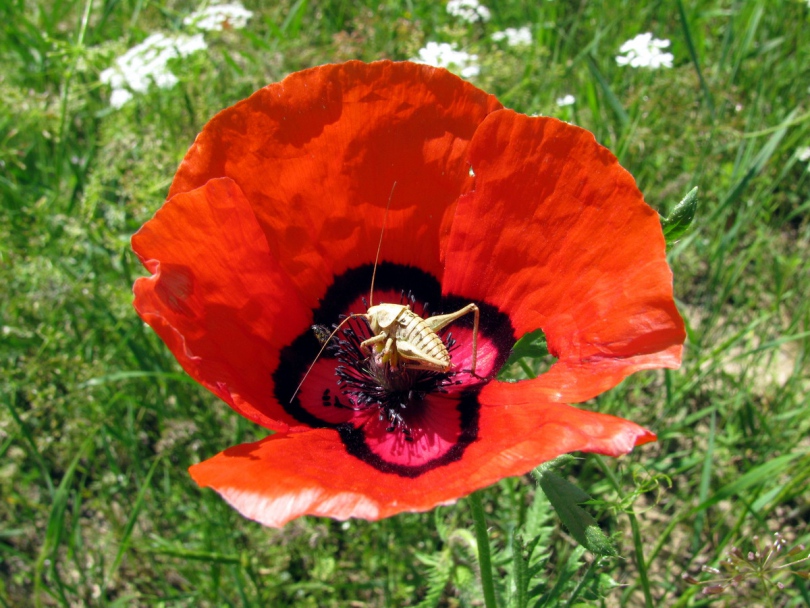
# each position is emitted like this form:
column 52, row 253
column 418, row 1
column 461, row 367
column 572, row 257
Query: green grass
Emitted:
column 98, row 423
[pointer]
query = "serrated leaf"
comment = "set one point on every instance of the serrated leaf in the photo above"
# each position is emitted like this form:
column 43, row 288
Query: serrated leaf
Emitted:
column 439, row 576
column 439, row 523
column 564, row 576
column 679, row 221
column 565, row 497
column 520, row 572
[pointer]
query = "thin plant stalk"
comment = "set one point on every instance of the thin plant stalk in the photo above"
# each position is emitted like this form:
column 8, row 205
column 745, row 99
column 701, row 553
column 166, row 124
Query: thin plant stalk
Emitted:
column 482, row 540
column 637, row 542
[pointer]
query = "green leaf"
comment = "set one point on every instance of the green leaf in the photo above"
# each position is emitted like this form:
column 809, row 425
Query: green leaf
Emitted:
column 679, row 221
column 532, row 344
column 565, row 497
column 531, row 354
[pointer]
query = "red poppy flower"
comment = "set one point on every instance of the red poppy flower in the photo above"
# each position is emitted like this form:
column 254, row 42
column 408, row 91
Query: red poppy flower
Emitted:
column 272, row 226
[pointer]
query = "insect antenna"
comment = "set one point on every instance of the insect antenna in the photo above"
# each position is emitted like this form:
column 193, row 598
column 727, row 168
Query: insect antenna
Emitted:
column 379, row 246
column 351, row 316
column 320, row 352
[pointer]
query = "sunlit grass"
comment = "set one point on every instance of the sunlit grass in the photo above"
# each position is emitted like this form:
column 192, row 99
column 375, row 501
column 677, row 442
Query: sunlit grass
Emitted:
column 98, row 423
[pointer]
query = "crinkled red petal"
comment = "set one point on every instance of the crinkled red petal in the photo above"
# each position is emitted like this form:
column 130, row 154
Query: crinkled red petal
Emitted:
column 558, row 236
column 218, row 298
column 318, row 154
column 311, row 473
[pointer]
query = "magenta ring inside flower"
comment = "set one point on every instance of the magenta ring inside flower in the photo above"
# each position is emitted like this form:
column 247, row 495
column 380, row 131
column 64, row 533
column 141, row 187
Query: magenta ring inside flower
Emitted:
column 411, row 420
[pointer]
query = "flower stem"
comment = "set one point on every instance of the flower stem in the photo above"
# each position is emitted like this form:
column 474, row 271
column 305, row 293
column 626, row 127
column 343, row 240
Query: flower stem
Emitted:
column 638, row 544
column 768, row 597
column 482, row 538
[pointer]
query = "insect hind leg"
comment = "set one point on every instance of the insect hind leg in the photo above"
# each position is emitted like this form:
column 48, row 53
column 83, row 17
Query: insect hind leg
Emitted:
column 439, row 321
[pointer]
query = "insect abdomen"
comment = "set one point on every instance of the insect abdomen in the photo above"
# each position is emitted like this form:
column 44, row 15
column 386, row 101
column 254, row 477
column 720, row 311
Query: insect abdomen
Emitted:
column 413, row 330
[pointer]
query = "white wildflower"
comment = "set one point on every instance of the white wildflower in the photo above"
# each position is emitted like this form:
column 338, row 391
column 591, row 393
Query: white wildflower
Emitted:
column 119, row 97
column 148, row 63
column 468, row 10
column 513, row 36
column 644, row 51
column 803, row 154
column 217, row 17
column 443, row 55
column 566, row 100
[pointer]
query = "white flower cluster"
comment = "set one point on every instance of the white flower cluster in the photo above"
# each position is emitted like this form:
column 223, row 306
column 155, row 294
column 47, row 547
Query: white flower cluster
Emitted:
column 566, row 100
column 217, row 17
column 644, row 51
column 147, row 63
column 468, row 10
column 443, row 55
column 803, row 154
column 513, row 36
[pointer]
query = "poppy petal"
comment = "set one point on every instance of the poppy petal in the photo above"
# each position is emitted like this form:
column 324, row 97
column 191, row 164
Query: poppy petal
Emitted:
column 318, row 154
column 557, row 235
column 217, row 297
column 283, row 477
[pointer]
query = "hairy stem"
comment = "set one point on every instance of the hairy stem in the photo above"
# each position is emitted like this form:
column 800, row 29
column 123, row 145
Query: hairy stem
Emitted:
column 482, row 538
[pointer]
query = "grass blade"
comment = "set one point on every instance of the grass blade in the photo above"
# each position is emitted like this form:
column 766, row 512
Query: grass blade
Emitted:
column 687, row 34
column 123, row 545
column 56, row 524
column 610, row 96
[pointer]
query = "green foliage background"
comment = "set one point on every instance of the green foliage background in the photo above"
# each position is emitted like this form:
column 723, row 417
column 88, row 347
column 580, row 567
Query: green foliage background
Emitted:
column 98, row 423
